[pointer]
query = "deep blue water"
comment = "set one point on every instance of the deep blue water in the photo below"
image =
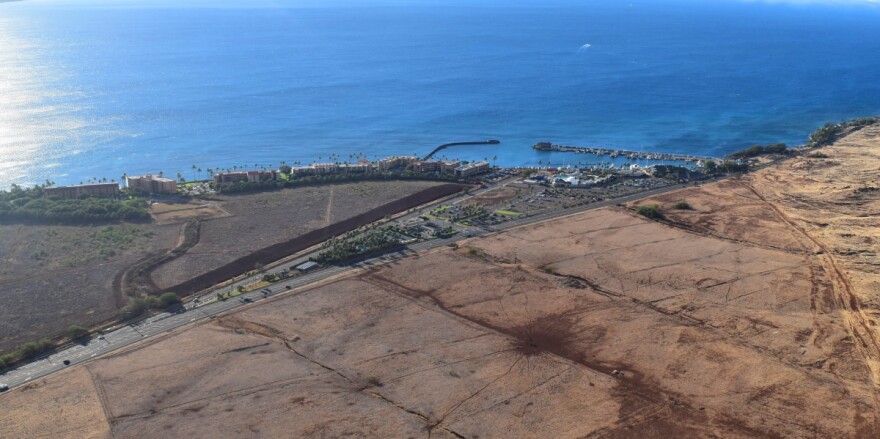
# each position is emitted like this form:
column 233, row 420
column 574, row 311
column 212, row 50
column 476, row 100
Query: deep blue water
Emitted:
column 94, row 91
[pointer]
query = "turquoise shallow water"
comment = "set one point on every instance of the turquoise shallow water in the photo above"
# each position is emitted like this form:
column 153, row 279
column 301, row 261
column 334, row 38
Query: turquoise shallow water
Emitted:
column 95, row 91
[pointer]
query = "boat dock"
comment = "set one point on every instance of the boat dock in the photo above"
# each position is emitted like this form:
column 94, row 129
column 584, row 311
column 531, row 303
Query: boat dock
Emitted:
column 635, row 155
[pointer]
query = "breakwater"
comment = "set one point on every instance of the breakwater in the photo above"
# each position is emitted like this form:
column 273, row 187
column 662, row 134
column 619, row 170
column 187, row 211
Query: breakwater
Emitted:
column 447, row 145
column 635, row 155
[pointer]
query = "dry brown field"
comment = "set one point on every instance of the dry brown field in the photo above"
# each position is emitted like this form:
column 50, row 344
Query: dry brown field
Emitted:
column 750, row 316
column 54, row 276
column 165, row 212
column 260, row 220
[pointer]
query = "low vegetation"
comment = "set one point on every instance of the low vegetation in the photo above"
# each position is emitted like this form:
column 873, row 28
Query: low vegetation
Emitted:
column 360, row 243
column 682, row 205
column 76, row 331
column 759, row 150
column 26, row 351
column 314, row 180
column 138, row 305
column 830, row 132
column 650, row 211
column 33, row 206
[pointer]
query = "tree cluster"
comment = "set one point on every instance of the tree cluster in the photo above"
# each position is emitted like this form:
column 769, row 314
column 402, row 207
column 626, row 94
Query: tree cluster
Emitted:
column 313, row 180
column 25, row 352
column 759, row 150
column 359, row 244
column 830, row 132
column 32, row 205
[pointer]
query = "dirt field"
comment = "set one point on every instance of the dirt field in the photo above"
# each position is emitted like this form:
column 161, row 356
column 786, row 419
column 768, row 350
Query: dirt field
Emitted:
column 749, row 316
column 54, row 276
column 264, row 219
column 174, row 212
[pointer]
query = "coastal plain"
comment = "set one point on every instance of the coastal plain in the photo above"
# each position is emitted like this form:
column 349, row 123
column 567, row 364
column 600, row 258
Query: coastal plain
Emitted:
column 55, row 276
column 752, row 313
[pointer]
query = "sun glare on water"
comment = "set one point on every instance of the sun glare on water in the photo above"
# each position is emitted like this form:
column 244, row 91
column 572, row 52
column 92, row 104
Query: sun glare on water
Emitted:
column 34, row 128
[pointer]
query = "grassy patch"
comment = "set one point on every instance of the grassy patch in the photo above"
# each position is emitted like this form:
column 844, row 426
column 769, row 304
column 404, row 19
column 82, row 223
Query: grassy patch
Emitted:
column 507, row 212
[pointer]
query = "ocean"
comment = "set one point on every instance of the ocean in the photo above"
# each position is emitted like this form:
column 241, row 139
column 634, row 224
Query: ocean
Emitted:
column 95, row 90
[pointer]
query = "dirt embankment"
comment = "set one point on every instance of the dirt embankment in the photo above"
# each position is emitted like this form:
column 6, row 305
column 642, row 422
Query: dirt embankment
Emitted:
column 136, row 279
column 277, row 251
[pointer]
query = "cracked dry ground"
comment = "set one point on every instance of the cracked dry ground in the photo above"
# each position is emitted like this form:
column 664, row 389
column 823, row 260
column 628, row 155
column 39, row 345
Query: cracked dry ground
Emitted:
column 750, row 316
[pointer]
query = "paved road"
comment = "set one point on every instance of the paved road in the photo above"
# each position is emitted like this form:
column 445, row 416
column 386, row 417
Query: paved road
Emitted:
column 126, row 335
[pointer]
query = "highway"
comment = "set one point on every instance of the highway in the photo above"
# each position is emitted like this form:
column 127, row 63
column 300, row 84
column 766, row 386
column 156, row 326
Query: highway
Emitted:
column 200, row 308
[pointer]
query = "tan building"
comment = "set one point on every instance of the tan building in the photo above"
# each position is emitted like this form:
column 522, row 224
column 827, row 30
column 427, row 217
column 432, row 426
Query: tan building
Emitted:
column 471, row 169
column 355, row 168
column 91, row 190
column 325, row 168
column 436, row 166
column 152, row 184
column 389, row 163
column 250, row 176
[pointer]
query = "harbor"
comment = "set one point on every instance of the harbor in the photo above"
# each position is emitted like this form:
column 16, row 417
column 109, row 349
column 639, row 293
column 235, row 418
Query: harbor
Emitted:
column 615, row 153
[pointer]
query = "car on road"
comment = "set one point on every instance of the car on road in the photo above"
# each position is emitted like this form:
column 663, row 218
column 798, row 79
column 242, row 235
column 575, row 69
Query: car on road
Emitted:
column 100, row 337
column 66, row 362
column 4, row 387
column 245, row 300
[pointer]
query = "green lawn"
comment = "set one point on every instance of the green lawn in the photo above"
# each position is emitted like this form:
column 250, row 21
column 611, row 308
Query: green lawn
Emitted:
column 507, row 212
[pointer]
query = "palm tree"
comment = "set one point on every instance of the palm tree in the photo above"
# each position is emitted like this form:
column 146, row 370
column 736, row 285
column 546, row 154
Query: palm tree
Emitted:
column 194, row 171
column 494, row 158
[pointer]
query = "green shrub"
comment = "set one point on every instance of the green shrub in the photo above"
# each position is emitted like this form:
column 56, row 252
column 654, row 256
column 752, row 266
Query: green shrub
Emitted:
column 76, row 331
column 168, row 299
column 650, row 211
column 133, row 308
column 34, row 348
column 374, row 380
column 682, row 205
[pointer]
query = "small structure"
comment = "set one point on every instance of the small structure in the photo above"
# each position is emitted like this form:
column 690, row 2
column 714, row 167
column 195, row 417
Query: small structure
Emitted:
column 91, row 190
column 306, row 266
column 152, row 184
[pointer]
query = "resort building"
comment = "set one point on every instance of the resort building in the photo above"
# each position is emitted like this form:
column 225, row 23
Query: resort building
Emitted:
column 436, row 166
column 471, row 169
column 249, row 176
column 152, row 184
column 302, row 170
column 91, row 190
column 230, row 177
column 325, row 168
column 356, row 168
column 390, row 163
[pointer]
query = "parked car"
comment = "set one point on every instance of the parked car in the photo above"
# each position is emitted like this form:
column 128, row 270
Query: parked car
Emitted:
column 3, row 387
column 66, row 362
